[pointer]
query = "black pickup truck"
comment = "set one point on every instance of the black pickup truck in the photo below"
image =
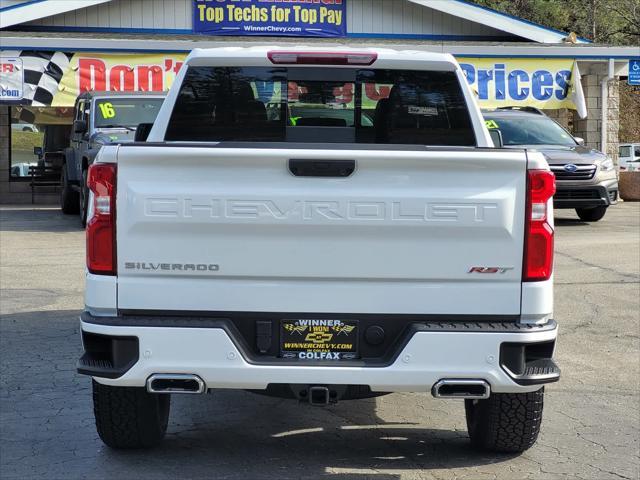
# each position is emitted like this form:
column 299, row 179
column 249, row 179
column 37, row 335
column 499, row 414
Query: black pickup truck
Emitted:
column 99, row 119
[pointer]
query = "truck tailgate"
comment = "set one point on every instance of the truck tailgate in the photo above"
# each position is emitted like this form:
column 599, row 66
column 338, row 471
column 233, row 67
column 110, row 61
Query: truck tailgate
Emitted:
column 232, row 229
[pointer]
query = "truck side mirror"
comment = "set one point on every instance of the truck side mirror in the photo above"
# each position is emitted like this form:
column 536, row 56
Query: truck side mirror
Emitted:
column 496, row 136
column 580, row 140
column 80, row 126
column 37, row 151
column 142, row 132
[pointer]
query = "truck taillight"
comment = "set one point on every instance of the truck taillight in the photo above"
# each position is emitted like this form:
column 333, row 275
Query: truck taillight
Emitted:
column 101, row 226
column 538, row 241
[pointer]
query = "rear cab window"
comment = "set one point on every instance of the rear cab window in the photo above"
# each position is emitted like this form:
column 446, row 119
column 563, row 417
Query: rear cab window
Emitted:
column 126, row 112
column 321, row 105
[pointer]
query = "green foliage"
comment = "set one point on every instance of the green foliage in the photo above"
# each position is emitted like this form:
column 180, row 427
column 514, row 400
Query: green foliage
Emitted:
column 603, row 21
column 553, row 14
column 25, row 141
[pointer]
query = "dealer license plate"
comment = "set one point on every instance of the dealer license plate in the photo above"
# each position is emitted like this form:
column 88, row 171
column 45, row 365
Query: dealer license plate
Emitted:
column 308, row 339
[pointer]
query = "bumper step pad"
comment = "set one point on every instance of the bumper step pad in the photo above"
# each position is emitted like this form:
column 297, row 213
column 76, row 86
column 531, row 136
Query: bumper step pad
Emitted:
column 538, row 372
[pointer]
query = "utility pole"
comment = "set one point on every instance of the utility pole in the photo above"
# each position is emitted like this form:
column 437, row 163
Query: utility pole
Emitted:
column 594, row 7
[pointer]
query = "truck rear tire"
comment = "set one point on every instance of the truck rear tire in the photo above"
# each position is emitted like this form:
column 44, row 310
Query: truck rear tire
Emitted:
column 129, row 417
column 591, row 214
column 505, row 422
column 69, row 200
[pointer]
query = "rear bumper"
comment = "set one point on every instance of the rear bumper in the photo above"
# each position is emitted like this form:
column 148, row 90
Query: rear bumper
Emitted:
column 435, row 352
column 585, row 196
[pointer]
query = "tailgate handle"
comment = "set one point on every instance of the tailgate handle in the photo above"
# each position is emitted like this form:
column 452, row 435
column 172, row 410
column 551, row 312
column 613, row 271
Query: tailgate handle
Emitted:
column 304, row 167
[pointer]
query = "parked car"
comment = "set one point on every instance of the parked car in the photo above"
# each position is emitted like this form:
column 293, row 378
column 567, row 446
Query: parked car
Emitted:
column 21, row 169
column 24, row 127
column 586, row 178
column 99, row 119
column 319, row 260
column 629, row 157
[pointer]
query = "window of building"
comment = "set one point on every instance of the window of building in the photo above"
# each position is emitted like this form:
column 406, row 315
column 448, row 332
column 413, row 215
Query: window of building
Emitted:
column 38, row 137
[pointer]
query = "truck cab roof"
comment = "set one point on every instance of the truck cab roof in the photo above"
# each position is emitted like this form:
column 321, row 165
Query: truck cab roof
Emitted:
column 334, row 56
column 105, row 94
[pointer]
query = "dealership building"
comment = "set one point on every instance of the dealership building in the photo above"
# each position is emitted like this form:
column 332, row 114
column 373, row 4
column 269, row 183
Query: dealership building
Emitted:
column 53, row 50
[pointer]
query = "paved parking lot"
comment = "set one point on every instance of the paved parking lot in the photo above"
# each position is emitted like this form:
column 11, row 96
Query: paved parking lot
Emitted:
column 591, row 425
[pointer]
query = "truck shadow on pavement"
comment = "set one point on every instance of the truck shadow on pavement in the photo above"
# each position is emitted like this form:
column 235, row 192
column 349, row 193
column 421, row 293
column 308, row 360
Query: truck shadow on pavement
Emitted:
column 48, row 426
column 37, row 219
column 569, row 222
column 349, row 438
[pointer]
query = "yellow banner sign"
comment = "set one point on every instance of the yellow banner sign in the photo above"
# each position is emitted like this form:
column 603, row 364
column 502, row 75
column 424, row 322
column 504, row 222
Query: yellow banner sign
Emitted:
column 119, row 73
column 541, row 82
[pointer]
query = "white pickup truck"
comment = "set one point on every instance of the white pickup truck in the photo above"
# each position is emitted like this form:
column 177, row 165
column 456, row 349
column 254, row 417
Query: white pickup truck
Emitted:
column 321, row 225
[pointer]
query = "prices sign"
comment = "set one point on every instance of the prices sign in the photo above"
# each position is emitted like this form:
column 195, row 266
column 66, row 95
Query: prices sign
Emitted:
column 541, row 83
column 294, row 18
column 11, row 79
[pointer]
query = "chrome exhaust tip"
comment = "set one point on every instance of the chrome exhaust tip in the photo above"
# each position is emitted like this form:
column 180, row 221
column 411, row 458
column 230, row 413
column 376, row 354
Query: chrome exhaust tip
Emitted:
column 175, row 383
column 461, row 388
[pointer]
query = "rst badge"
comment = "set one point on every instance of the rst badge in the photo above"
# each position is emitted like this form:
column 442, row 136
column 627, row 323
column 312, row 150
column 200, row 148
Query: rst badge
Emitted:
column 489, row 269
column 11, row 79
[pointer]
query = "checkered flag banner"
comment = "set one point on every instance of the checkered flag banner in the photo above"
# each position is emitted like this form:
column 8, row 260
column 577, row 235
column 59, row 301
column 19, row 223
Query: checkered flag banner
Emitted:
column 43, row 72
column 36, row 78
